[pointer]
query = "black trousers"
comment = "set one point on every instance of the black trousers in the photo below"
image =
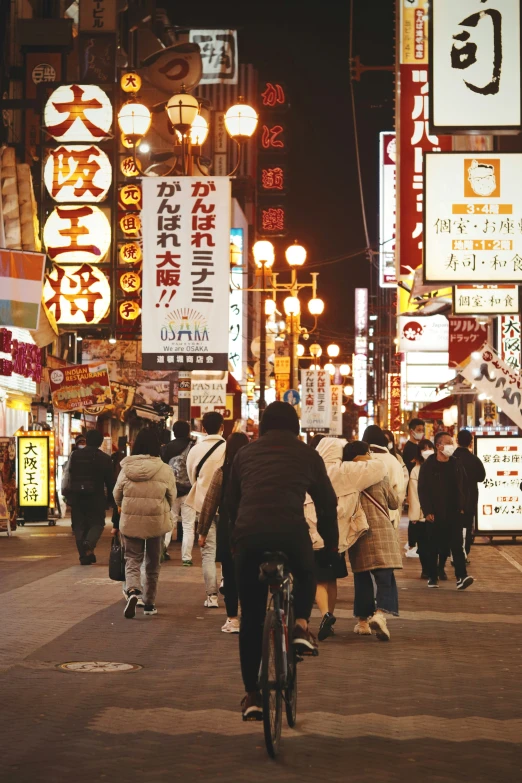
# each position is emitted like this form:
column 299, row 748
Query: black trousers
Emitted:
column 443, row 536
column 88, row 521
column 469, row 524
column 229, row 583
column 250, row 553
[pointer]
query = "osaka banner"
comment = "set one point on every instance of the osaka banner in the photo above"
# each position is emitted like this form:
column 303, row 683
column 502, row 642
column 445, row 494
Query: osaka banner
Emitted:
column 80, row 386
column 494, row 378
column 473, row 218
column 475, row 66
column 316, row 400
column 186, row 271
column 465, row 336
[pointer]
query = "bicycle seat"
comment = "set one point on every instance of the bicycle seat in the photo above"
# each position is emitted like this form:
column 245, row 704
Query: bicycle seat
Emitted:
column 273, row 570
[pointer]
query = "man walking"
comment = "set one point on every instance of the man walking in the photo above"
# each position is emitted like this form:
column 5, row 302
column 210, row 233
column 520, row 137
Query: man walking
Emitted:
column 175, row 454
column 475, row 473
column 90, row 471
column 409, row 452
column 202, row 462
column 443, row 499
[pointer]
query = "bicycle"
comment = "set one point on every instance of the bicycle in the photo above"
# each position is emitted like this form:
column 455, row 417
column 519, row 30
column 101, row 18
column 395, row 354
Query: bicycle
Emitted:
column 278, row 670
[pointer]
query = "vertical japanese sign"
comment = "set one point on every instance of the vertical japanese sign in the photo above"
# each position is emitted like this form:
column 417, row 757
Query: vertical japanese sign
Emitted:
column 394, row 401
column 219, row 55
column 473, row 218
column 388, row 210
column 465, row 336
column 34, row 469
column 272, row 159
column 475, row 65
column 316, row 400
column 499, row 507
column 360, row 358
column 336, row 418
column 414, row 137
column 186, row 271
column 235, row 338
column 495, row 378
column 98, row 16
column 509, row 340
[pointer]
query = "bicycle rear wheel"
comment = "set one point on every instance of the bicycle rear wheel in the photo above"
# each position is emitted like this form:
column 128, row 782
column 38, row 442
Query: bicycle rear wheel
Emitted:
column 291, row 676
column 270, row 682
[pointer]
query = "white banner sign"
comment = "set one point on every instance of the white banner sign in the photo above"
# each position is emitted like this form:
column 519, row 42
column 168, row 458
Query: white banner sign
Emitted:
column 360, row 378
column 336, row 419
column 500, row 498
column 315, row 403
column 475, row 61
column 186, row 269
column 208, row 396
column 493, row 377
column 485, row 299
column 388, row 210
column 219, row 55
column 473, row 218
column 423, row 333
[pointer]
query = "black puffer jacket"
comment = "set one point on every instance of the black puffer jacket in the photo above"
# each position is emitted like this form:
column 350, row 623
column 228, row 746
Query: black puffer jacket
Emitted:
column 91, row 465
column 434, row 488
column 475, row 473
column 268, row 485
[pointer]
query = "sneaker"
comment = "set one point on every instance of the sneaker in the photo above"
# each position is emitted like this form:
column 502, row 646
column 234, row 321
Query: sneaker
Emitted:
column 126, row 596
column 326, row 629
column 363, row 628
column 86, row 560
column 433, row 582
column 378, row 624
column 443, row 575
column 252, row 706
column 424, row 575
column 304, row 641
column 463, row 583
column 231, row 626
column 222, row 586
column 211, row 602
column 140, row 601
column 186, row 563
column 130, row 607
column 149, row 609
column 166, row 556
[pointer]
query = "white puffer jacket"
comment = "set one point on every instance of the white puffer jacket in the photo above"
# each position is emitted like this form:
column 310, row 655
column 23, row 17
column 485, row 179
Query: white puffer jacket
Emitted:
column 145, row 490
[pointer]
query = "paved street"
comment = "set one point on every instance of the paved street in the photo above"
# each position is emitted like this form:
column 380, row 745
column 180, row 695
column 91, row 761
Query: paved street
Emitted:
column 441, row 702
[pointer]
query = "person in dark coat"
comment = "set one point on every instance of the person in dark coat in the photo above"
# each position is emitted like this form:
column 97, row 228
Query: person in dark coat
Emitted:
column 91, row 472
column 416, row 430
column 443, row 497
column 265, row 498
column 475, row 473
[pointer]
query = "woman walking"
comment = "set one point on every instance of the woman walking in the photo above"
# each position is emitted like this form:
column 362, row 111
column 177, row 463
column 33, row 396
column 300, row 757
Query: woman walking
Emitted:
column 145, row 490
column 213, row 504
column 378, row 443
column 374, row 556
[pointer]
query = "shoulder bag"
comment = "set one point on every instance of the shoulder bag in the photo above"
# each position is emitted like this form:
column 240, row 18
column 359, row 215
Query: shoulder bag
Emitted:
column 117, row 560
column 376, row 504
column 207, row 455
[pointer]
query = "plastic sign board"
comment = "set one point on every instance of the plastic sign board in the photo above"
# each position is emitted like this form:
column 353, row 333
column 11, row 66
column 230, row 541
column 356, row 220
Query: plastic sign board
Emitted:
column 76, row 234
column 316, row 401
column 77, row 173
column 499, row 509
column 336, row 419
column 78, row 112
column 80, row 386
column 77, row 294
column 473, row 218
column 388, row 210
column 423, row 333
column 35, row 469
column 475, row 66
column 485, row 299
column 497, row 380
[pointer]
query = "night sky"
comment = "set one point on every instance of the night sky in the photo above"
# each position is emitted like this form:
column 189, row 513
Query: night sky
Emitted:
column 306, row 45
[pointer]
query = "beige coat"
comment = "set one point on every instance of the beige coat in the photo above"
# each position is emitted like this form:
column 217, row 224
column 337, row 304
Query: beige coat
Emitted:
column 200, row 486
column 414, row 507
column 396, row 478
column 145, row 490
column 347, row 478
column 379, row 548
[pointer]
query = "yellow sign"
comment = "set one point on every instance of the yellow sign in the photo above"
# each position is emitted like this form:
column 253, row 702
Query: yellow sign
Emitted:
column 77, row 294
column 130, row 195
column 130, row 82
column 131, row 224
column 129, row 167
column 130, row 253
column 414, row 32
column 34, row 469
column 129, row 310
column 130, row 282
column 73, row 234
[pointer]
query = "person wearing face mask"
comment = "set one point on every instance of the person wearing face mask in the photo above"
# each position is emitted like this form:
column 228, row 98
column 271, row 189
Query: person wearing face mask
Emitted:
column 409, row 452
column 388, row 434
column 476, row 474
column 417, row 522
column 443, row 497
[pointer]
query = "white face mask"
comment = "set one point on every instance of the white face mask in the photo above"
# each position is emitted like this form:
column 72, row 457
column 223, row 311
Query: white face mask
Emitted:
column 390, row 446
column 82, row 446
column 448, row 450
column 418, row 435
column 426, row 453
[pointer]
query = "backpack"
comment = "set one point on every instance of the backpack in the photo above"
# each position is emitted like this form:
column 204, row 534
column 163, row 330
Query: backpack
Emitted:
column 82, row 473
column 178, row 465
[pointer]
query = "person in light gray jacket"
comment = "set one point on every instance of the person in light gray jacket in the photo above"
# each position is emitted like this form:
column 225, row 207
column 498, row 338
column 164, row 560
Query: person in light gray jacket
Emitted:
column 145, row 490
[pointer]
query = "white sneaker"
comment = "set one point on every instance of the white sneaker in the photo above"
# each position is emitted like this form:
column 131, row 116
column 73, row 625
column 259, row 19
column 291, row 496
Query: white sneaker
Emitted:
column 378, row 624
column 231, row 626
column 363, row 628
column 211, row 602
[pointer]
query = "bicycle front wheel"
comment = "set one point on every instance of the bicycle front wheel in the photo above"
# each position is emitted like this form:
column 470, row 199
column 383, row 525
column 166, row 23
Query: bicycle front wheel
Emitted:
column 291, row 676
column 271, row 682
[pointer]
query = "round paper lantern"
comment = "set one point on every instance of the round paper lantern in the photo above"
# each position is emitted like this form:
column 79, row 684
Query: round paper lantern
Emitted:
column 129, row 168
column 78, row 294
column 78, row 112
column 130, row 253
column 73, row 234
column 77, row 173
column 130, row 282
column 130, row 195
column 131, row 224
column 130, row 82
column 129, row 311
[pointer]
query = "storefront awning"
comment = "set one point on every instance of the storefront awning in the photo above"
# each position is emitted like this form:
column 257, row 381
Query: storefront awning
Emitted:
column 434, row 410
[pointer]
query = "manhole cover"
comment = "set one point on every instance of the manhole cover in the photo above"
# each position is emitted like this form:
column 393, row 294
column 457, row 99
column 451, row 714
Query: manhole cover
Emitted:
column 98, row 667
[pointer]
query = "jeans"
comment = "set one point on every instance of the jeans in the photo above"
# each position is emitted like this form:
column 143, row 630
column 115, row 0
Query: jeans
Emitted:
column 135, row 550
column 208, row 561
column 366, row 601
column 229, row 584
column 87, row 522
column 188, row 521
column 445, row 535
column 250, row 553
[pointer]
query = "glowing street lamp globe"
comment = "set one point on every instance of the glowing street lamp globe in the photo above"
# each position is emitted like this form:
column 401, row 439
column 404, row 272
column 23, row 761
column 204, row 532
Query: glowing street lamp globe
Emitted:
column 316, row 306
column 330, row 368
column 333, row 351
column 270, row 307
column 241, row 121
column 295, row 254
column 315, row 350
column 264, row 255
column 345, row 369
column 134, row 119
column 292, row 305
column 300, row 349
column 182, row 110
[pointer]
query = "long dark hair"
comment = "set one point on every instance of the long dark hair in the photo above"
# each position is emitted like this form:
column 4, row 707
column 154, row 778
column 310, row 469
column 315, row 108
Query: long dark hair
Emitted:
column 356, row 448
column 374, row 436
column 388, row 434
column 235, row 442
column 147, row 443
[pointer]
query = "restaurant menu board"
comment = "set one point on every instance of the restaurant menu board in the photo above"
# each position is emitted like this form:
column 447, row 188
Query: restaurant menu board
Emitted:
column 499, row 508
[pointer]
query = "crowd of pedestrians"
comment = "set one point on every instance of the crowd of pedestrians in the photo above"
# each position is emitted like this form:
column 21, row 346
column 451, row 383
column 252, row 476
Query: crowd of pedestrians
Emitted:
column 322, row 504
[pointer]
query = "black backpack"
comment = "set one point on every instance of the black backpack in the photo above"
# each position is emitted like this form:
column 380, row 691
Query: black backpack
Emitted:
column 83, row 472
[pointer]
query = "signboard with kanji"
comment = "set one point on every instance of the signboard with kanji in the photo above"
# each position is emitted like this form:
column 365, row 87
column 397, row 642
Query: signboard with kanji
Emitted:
column 33, row 470
column 98, row 16
column 186, row 272
column 394, row 401
column 499, row 509
column 475, row 66
column 316, row 401
column 77, row 173
column 388, row 210
column 219, row 55
column 473, row 218
column 496, row 380
column 465, row 336
column 509, row 340
column 485, row 299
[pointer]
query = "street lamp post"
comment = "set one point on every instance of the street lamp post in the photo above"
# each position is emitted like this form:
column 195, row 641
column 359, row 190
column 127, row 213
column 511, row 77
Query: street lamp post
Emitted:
column 264, row 258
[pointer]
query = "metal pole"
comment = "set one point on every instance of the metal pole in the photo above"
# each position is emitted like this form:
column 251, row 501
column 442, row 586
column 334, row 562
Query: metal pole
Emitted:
column 262, row 353
column 292, row 352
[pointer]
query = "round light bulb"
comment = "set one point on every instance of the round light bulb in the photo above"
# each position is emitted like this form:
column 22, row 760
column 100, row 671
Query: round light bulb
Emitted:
column 182, row 110
column 316, row 306
column 330, row 368
column 345, row 369
column 292, row 305
column 270, row 307
column 348, row 390
column 264, row 255
column 300, row 349
column 241, row 121
column 315, row 350
column 134, row 119
column 295, row 255
column 333, row 351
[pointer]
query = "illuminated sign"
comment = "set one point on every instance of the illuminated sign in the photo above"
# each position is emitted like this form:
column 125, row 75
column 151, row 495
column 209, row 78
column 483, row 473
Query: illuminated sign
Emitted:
column 315, row 400
column 130, row 195
column 273, row 178
column 361, row 321
column 131, row 224
column 272, row 137
column 273, row 96
column 394, row 401
column 388, row 210
column 78, row 113
column 130, row 253
column 360, row 380
column 130, row 82
column 36, row 469
column 77, row 173
column 272, row 221
column 485, row 299
column 73, row 234
column 130, row 167
column 130, row 282
column 129, row 311
column 499, row 507
column 235, row 333
column 77, row 294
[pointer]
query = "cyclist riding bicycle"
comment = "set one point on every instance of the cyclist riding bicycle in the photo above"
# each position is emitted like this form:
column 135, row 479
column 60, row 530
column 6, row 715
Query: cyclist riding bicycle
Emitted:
column 266, row 493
